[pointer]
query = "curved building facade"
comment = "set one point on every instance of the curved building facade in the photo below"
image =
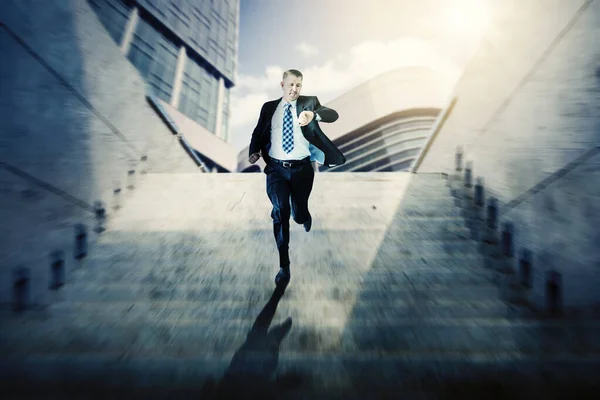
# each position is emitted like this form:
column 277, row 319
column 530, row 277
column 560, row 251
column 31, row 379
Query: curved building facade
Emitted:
column 383, row 123
column 389, row 144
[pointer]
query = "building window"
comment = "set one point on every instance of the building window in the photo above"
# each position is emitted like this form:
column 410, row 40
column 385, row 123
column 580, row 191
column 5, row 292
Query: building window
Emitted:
column 155, row 57
column 199, row 94
column 225, row 114
column 406, row 156
column 113, row 14
column 179, row 16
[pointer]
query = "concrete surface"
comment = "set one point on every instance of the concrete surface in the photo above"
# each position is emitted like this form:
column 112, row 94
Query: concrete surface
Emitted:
column 388, row 296
column 528, row 106
column 73, row 120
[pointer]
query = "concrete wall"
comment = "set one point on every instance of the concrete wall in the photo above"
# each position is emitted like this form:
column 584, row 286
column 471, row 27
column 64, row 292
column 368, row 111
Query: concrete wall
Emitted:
column 528, row 105
column 73, row 116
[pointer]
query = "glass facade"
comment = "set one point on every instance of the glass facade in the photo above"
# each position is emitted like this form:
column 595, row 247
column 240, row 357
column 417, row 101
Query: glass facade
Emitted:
column 385, row 146
column 199, row 93
column 156, row 59
column 225, row 111
column 114, row 15
column 209, row 31
column 209, row 27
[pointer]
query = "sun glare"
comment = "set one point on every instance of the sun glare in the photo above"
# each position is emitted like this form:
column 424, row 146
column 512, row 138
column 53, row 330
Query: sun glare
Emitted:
column 468, row 17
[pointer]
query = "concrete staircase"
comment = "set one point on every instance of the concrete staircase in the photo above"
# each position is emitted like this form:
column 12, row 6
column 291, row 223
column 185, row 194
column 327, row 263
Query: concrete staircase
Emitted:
column 389, row 298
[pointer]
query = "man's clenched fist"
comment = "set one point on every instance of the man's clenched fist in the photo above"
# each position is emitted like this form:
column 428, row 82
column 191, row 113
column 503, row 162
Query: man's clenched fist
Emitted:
column 253, row 158
column 305, row 117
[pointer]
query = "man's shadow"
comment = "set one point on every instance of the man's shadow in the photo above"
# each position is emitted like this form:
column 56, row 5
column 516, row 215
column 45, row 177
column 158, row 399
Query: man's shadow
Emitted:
column 250, row 373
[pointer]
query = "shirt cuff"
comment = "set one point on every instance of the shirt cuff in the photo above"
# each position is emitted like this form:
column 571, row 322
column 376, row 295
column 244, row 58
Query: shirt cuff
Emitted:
column 317, row 116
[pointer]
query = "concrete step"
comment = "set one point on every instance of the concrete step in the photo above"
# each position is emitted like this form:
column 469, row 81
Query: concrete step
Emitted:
column 397, row 256
column 125, row 275
column 449, row 234
column 431, row 232
column 192, row 271
column 365, row 375
column 458, row 272
column 427, row 222
column 331, row 219
column 239, row 292
column 428, row 198
column 247, row 310
column 144, row 338
column 426, row 210
column 329, row 245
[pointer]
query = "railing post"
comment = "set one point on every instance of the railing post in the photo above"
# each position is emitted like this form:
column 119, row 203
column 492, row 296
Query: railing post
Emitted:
column 469, row 175
column 475, row 222
column 525, row 269
column 458, row 158
column 492, row 214
column 506, row 264
column 21, row 288
column 554, row 293
column 143, row 164
column 489, row 242
column 117, row 198
column 507, row 240
column 100, row 213
column 80, row 241
column 57, row 270
column 479, row 193
column 131, row 179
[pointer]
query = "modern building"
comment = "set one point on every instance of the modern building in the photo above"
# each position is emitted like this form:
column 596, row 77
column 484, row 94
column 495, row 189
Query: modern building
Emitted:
column 186, row 51
column 383, row 123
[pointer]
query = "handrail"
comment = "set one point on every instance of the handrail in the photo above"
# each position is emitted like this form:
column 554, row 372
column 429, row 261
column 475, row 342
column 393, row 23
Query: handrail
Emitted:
column 436, row 130
column 544, row 183
column 172, row 125
column 49, row 187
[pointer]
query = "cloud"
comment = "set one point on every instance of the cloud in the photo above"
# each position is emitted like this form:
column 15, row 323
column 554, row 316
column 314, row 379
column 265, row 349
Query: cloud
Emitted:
column 269, row 81
column 306, row 49
column 333, row 77
column 247, row 108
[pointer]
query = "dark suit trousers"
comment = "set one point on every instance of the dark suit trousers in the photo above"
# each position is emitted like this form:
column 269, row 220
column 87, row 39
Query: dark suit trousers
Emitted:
column 288, row 189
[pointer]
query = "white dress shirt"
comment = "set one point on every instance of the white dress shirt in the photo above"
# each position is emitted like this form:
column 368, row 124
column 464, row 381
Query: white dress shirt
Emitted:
column 301, row 145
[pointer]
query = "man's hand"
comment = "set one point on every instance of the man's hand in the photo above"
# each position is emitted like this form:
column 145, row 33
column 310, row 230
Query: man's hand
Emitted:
column 253, row 158
column 305, row 117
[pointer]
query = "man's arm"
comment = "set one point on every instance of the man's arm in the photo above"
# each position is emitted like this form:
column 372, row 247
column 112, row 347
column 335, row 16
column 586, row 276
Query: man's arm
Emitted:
column 325, row 114
column 255, row 142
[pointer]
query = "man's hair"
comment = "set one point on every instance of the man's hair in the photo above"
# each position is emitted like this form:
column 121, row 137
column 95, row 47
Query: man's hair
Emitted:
column 294, row 72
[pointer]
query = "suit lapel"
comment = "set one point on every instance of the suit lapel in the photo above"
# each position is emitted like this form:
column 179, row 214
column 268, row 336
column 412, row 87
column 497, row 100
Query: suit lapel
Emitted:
column 269, row 115
column 272, row 109
column 299, row 105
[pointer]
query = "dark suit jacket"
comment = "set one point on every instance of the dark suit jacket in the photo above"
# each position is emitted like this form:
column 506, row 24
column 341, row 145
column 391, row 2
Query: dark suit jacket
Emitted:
column 320, row 145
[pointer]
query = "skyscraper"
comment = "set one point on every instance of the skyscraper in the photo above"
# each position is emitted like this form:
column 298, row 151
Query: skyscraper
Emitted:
column 186, row 50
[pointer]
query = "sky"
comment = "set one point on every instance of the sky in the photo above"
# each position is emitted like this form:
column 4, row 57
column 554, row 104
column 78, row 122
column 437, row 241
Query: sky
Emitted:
column 339, row 44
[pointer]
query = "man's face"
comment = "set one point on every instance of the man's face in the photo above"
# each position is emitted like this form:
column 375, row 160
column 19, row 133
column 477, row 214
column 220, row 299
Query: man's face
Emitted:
column 291, row 85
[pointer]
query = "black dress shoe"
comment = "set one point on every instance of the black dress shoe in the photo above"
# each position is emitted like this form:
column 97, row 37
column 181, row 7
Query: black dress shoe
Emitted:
column 308, row 224
column 283, row 276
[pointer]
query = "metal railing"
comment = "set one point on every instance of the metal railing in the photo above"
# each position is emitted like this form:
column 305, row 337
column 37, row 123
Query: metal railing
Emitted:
column 172, row 125
column 435, row 131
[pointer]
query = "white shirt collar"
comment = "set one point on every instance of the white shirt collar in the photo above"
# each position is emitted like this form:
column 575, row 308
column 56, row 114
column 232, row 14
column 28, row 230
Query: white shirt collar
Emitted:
column 293, row 103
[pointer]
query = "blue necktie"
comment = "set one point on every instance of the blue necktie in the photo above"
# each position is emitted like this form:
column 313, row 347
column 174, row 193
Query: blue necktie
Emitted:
column 288, row 129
